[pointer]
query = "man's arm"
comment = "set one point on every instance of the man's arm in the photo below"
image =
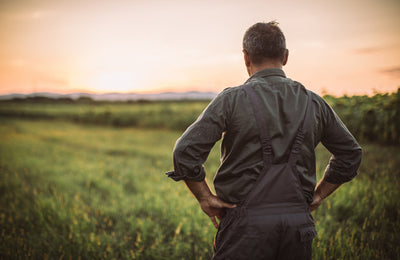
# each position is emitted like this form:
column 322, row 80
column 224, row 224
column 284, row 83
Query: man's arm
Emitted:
column 322, row 190
column 209, row 203
column 345, row 159
column 192, row 149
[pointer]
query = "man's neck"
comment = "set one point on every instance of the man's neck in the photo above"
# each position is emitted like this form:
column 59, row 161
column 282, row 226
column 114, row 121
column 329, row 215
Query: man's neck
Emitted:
column 253, row 68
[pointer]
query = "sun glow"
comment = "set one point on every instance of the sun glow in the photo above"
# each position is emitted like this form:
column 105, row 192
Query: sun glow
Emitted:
column 116, row 81
column 147, row 46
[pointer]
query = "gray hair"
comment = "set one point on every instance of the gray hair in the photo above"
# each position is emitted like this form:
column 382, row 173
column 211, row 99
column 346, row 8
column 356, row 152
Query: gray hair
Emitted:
column 264, row 41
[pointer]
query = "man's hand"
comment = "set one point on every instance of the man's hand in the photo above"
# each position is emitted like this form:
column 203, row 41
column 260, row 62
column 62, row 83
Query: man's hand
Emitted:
column 322, row 190
column 214, row 207
column 317, row 201
column 210, row 204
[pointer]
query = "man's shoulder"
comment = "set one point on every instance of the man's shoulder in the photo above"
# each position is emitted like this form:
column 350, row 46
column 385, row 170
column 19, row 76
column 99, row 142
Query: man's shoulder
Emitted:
column 320, row 100
column 230, row 92
column 316, row 97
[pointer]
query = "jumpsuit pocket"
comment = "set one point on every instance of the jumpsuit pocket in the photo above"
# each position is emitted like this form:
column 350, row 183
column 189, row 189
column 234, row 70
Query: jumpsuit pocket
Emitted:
column 307, row 233
column 225, row 227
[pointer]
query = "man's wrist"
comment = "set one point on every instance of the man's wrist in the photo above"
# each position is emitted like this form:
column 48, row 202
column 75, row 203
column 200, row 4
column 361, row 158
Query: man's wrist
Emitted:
column 324, row 189
column 204, row 197
column 319, row 194
column 200, row 190
column 318, row 197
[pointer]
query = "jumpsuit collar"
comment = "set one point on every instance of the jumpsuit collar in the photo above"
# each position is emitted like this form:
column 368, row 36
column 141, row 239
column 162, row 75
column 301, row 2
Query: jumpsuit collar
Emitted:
column 267, row 73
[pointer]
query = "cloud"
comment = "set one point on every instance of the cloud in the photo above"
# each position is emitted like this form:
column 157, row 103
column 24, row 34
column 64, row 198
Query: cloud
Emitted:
column 367, row 50
column 393, row 71
column 393, row 46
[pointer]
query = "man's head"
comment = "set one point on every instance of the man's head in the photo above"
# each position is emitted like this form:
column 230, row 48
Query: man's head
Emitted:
column 265, row 42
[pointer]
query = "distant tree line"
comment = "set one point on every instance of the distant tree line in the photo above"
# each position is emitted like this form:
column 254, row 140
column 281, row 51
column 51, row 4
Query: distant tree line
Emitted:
column 370, row 118
column 375, row 118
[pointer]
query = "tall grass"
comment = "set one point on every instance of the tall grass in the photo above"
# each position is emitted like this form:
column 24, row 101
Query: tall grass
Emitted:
column 74, row 191
column 93, row 193
column 167, row 115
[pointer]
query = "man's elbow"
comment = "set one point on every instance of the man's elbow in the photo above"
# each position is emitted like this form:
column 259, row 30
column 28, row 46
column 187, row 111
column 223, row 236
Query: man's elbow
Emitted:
column 358, row 156
column 179, row 150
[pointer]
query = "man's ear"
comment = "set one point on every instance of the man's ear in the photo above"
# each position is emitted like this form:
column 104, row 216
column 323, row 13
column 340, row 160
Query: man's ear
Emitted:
column 246, row 58
column 285, row 57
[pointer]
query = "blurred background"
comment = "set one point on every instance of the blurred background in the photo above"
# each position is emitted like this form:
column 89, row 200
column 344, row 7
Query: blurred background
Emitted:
column 94, row 94
column 336, row 47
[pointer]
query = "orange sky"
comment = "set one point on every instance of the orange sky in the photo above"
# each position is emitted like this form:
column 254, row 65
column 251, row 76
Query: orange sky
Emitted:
column 63, row 46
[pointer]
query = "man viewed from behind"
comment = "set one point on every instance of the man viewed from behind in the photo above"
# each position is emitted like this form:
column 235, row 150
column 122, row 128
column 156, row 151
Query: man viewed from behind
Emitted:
column 266, row 183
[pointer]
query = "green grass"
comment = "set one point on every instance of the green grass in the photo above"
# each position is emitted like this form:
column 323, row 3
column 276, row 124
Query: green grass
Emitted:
column 90, row 192
column 119, row 114
column 361, row 219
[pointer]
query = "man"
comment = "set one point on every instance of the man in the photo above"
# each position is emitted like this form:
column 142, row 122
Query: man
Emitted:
column 266, row 184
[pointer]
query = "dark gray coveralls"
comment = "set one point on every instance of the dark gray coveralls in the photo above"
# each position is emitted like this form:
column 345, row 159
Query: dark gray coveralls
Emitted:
column 274, row 221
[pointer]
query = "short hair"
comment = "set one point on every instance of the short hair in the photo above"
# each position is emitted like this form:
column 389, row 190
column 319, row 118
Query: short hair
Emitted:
column 264, row 41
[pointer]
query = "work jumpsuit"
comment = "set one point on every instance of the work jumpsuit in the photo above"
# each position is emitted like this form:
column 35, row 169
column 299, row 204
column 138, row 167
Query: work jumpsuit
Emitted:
column 274, row 220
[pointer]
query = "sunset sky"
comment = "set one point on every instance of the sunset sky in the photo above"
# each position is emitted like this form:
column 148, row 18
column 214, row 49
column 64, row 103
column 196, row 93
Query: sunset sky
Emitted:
column 337, row 47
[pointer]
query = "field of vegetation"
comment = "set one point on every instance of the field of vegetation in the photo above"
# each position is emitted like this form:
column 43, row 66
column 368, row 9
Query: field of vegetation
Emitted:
column 84, row 180
column 375, row 118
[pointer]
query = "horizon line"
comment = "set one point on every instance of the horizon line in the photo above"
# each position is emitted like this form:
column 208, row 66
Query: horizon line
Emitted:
column 322, row 93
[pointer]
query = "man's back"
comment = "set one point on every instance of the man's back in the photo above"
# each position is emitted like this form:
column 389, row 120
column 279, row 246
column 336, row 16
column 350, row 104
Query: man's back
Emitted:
column 283, row 105
column 278, row 217
column 230, row 114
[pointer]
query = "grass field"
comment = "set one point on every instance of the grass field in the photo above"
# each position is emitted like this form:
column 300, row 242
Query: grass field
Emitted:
column 72, row 191
column 179, row 114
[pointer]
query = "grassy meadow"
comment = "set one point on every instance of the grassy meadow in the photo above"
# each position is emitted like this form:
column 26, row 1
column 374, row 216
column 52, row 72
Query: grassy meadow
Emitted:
column 76, row 190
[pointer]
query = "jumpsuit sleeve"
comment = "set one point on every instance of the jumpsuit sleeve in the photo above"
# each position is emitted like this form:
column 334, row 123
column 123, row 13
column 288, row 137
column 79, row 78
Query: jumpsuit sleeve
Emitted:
column 346, row 152
column 193, row 147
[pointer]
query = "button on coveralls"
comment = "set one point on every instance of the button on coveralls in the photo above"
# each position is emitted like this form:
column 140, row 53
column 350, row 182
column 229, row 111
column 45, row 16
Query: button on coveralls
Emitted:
column 274, row 221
